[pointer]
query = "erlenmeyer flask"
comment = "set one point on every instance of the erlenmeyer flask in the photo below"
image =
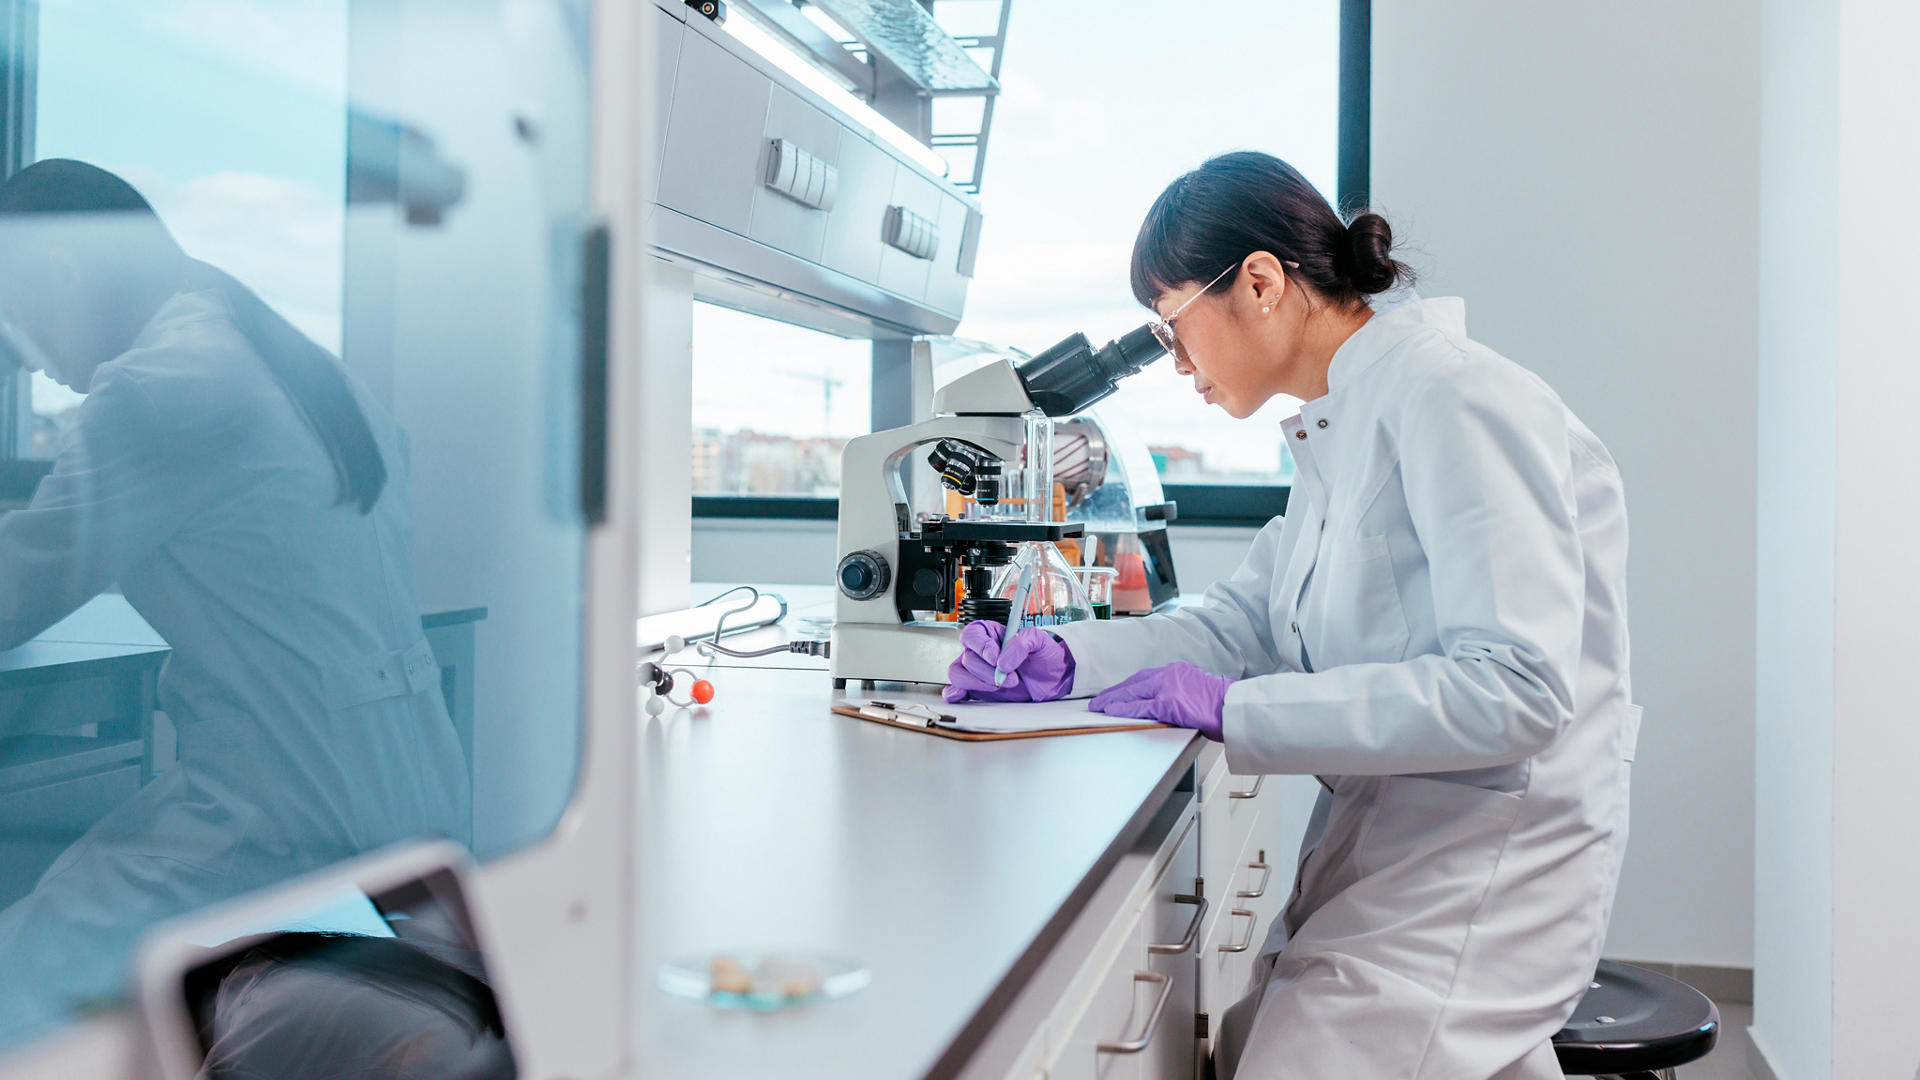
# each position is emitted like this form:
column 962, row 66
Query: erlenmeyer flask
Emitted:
column 1054, row 594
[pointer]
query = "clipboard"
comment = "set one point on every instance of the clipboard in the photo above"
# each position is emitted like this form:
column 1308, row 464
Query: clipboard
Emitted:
column 933, row 727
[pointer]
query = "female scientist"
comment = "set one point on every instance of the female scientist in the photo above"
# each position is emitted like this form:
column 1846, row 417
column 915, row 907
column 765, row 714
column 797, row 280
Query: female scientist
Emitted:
column 1437, row 629
column 251, row 502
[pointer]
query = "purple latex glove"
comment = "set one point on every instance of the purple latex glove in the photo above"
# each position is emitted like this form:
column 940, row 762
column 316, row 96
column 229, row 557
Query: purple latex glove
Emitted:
column 1039, row 666
column 1178, row 693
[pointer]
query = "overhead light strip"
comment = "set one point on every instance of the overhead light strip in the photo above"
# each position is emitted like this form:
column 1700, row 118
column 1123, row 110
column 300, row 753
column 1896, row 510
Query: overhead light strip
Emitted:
column 750, row 34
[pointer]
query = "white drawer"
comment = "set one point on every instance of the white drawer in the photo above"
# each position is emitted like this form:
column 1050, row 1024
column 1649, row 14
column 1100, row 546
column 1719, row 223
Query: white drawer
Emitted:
column 1174, row 919
column 1227, row 822
column 1226, row 960
column 1115, row 1013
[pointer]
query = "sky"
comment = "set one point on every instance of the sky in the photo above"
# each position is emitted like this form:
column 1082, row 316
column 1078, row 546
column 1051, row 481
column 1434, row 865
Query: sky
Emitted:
column 1096, row 117
column 228, row 115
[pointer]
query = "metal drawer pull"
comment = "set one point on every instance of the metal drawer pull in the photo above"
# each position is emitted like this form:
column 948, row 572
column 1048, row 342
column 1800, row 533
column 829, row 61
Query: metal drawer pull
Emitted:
column 1253, row 921
column 1266, row 877
column 1250, row 792
column 1153, row 1016
column 1185, row 944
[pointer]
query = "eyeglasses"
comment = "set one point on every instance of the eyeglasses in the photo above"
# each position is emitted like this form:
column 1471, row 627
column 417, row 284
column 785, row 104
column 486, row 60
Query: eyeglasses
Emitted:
column 1163, row 328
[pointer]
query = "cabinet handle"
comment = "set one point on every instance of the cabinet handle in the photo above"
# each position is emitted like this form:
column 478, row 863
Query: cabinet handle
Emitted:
column 1185, row 944
column 1246, row 942
column 1265, row 877
column 596, row 322
column 1250, row 792
column 1153, row 1016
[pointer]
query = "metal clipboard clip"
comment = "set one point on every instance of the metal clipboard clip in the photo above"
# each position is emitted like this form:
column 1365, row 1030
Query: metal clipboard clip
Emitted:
column 922, row 715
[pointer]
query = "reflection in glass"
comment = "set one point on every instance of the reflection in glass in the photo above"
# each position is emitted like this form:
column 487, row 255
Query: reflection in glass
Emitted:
column 399, row 991
column 251, row 500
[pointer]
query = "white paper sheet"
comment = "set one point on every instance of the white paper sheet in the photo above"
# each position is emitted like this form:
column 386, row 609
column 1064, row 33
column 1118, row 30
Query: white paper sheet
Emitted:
column 996, row 718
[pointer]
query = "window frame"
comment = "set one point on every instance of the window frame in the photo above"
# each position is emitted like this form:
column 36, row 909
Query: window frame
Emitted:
column 1233, row 505
column 19, row 80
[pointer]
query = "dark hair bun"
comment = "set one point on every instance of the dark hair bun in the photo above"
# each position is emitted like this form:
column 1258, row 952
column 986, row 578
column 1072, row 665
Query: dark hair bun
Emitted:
column 1371, row 267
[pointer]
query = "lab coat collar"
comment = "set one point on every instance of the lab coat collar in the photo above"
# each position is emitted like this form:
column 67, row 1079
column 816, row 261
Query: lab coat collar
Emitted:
column 1388, row 328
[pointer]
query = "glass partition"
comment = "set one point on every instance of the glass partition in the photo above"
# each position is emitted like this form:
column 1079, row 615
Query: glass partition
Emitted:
column 296, row 286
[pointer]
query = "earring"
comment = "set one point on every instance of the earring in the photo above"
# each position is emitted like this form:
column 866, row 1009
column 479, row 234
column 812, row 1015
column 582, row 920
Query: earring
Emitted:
column 1267, row 309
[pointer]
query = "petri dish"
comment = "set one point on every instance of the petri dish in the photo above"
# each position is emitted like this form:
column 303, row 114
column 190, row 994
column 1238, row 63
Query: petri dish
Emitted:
column 762, row 981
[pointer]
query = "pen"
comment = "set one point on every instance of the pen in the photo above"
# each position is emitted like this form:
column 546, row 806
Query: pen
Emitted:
column 1014, row 615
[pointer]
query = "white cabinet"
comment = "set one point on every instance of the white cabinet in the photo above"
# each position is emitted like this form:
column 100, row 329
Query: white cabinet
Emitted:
column 1135, row 1017
column 710, row 169
column 1189, row 930
column 859, row 209
column 667, row 32
column 946, row 287
column 900, row 271
column 1174, row 918
column 1113, row 1014
column 783, row 222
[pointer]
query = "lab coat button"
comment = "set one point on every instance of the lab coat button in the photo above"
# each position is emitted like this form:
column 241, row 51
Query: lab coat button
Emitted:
column 1323, row 422
column 1296, row 628
column 1299, row 434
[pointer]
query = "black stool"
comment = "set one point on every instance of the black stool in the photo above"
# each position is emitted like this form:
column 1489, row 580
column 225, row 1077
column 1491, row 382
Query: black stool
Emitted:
column 1636, row 1025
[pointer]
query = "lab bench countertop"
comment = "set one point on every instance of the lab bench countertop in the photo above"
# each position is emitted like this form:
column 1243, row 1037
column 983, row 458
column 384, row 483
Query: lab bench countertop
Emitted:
column 948, row 868
column 103, row 635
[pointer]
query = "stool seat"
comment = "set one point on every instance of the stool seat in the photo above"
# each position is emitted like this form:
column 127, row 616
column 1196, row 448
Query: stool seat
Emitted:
column 1636, row 1021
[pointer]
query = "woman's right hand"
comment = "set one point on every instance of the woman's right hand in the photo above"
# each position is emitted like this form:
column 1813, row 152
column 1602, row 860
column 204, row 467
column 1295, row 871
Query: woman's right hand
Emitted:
column 1039, row 666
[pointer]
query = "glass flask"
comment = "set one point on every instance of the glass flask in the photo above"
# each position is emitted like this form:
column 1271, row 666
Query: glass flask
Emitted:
column 1055, row 594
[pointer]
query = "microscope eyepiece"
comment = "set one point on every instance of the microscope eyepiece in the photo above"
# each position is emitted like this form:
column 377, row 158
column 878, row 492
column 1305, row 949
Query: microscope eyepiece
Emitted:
column 1071, row 376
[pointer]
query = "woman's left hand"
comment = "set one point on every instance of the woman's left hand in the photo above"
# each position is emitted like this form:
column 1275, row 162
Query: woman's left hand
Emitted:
column 1178, row 693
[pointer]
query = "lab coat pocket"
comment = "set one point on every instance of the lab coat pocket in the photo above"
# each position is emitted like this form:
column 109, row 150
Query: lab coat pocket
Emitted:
column 1354, row 608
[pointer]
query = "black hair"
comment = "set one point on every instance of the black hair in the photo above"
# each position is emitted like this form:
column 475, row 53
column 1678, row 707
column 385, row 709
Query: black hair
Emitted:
column 313, row 379
column 1236, row 204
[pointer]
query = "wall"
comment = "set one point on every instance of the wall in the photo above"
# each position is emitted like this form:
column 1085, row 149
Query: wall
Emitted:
column 1793, row 855
column 1876, row 740
column 1585, row 176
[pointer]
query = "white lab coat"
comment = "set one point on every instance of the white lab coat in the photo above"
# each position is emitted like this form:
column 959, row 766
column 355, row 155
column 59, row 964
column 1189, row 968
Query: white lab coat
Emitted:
column 1438, row 629
column 308, row 708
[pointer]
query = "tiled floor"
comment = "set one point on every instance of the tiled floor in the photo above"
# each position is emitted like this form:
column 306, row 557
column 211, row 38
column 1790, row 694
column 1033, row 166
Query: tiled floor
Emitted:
column 1729, row 1058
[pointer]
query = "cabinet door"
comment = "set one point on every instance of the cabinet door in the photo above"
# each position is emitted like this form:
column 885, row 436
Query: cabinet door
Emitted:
column 667, row 32
column 779, row 221
column 859, row 209
column 709, row 170
column 901, row 272
column 946, row 288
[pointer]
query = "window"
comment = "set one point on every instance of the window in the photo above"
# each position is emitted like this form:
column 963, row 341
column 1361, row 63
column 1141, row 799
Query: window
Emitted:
column 1078, row 155
column 1094, row 119
column 773, row 404
column 268, row 207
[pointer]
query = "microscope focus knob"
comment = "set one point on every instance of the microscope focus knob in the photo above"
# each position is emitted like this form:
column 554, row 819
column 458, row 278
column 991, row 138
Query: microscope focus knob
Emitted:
column 864, row 575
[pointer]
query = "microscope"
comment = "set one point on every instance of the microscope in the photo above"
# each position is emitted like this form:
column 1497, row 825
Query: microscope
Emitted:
column 992, row 440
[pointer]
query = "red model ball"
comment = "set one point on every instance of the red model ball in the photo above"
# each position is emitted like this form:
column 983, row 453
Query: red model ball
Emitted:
column 703, row 691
